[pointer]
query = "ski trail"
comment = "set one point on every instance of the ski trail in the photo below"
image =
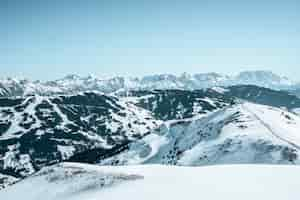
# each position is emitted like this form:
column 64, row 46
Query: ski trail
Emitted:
column 268, row 127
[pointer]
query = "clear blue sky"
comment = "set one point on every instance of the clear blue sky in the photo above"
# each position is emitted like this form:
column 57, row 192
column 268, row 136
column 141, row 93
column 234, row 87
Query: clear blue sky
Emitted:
column 51, row 38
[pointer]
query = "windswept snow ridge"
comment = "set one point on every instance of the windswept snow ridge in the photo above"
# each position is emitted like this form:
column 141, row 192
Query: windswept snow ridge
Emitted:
column 232, row 135
column 273, row 122
column 66, row 181
column 85, row 182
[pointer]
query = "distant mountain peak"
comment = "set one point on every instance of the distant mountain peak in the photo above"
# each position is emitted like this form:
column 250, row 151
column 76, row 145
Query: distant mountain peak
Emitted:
column 74, row 83
column 263, row 78
column 71, row 76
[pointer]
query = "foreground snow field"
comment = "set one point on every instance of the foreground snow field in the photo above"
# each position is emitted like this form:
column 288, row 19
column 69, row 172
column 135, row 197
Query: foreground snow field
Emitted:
column 148, row 182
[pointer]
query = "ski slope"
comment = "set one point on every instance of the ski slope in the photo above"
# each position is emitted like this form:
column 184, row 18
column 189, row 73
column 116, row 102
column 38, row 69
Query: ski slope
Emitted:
column 70, row 181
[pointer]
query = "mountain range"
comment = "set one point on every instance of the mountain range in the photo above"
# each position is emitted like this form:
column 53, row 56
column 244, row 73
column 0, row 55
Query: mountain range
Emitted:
column 72, row 83
column 160, row 120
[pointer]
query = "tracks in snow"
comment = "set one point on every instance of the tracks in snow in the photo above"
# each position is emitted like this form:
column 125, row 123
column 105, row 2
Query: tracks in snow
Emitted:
column 268, row 127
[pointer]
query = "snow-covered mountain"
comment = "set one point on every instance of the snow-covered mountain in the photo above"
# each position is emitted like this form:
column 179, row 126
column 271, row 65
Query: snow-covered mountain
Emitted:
column 265, row 96
column 37, row 131
column 70, row 181
column 262, row 78
column 166, row 106
column 241, row 133
column 158, row 126
column 72, row 83
column 177, row 127
column 179, row 104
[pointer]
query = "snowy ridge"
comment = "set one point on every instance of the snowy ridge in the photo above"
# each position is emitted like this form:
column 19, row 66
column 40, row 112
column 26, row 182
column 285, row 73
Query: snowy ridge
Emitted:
column 70, row 181
column 232, row 135
column 271, row 121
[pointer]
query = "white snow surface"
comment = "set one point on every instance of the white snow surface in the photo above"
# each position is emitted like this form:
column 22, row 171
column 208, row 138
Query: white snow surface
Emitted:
column 70, row 181
column 282, row 124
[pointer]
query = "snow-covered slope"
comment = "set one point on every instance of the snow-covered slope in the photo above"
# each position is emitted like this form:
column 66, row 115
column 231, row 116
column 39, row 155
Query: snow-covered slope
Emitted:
column 73, row 83
column 70, row 181
column 66, row 181
column 243, row 133
column 36, row 131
